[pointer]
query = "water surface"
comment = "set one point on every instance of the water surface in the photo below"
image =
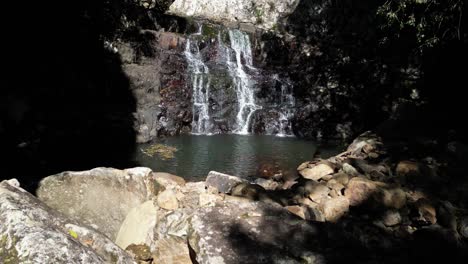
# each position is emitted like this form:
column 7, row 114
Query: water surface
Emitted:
column 241, row 155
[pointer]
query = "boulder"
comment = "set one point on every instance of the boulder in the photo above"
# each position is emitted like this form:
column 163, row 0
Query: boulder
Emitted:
column 138, row 226
column 391, row 218
column 349, row 169
column 407, row 169
column 317, row 192
column 168, row 200
column 265, row 14
column 360, row 190
column 367, row 145
column 252, row 232
column 335, row 208
column 267, row 184
column 223, row 182
column 463, row 227
column 317, row 171
column 425, row 212
column 172, row 250
column 100, row 197
column 32, row 232
column 342, row 178
column 166, row 179
column 393, row 198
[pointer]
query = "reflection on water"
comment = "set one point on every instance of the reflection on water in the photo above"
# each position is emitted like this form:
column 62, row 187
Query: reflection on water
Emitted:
column 232, row 154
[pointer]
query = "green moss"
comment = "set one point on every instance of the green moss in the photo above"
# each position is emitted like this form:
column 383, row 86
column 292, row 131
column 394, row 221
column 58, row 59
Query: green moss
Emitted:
column 162, row 151
column 209, row 31
column 8, row 255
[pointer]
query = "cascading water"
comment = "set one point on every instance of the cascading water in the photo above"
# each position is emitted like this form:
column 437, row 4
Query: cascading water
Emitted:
column 240, row 44
column 286, row 112
column 200, row 78
column 225, row 85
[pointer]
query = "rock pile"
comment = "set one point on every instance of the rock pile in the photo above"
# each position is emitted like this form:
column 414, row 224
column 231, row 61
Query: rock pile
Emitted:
column 358, row 203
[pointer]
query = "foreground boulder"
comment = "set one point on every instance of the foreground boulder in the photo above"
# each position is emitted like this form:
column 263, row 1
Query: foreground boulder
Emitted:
column 32, row 232
column 101, row 197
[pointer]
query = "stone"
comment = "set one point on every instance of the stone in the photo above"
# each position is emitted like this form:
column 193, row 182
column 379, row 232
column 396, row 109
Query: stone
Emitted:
column 303, row 165
column 223, row 182
column 208, row 199
column 263, row 14
column 391, row 218
column 138, row 225
column 100, row 197
column 32, row 232
column 407, row 169
column 169, row 40
column 425, row 212
column 317, row 171
column 367, row 145
column 267, row 184
column 166, row 179
column 172, row 250
column 342, row 178
column 463, row 227
column 251, row 232
column 393, row 198
column 360, row 190
column 349, row 169
column 336, row 186
column 335, row 208
column 141, row 253
column 296, row 210
column 168, row 200
column 318, row 192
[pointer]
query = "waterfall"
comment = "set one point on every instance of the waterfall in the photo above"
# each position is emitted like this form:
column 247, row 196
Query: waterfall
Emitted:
column 240, row 44
column 200, row 80
column 225, row 85
column 287, row 105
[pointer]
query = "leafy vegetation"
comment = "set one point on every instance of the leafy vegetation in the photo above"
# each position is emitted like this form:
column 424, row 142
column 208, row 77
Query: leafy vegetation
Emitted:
column 431, row 21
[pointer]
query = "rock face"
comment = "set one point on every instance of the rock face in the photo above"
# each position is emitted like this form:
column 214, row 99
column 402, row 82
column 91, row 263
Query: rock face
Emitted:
column 101, row 197
column 31, row 232
column 157, row 80
column 264, row 14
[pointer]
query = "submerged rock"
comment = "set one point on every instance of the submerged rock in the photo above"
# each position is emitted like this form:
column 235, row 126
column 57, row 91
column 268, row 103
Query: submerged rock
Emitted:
column 32, row 232
column 100, row 197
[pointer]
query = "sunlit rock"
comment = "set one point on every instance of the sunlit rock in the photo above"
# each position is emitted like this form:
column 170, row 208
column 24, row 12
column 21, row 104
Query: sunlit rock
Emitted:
column 32, row 232
column 100, row 197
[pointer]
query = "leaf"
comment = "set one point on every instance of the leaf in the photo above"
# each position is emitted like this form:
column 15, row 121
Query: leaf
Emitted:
column 73, row 234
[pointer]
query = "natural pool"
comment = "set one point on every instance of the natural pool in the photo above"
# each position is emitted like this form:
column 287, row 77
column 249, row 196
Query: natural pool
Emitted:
column 193, row 156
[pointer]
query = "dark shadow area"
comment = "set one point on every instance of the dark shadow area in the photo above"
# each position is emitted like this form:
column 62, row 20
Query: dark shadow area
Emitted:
column 65, row 102
column 365, row 68
column 352, row 239
column 415, row 213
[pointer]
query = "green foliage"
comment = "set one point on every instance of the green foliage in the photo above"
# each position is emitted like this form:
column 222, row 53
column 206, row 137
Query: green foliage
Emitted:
column 73, row 234
column 162, row 151
column 431, row 21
